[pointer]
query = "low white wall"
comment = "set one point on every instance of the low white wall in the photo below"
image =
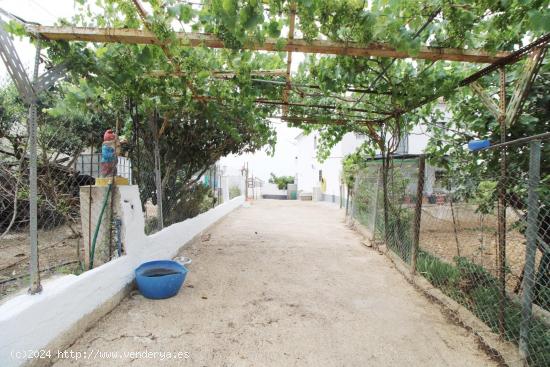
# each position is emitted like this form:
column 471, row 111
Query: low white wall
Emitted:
column 30, row 323
column 272, row 189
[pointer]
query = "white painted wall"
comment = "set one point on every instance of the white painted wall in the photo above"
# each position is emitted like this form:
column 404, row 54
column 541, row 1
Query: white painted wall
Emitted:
column 418, row 140
column 261, row 164
column 307, row 165
column 272, row 189
column 33, row 322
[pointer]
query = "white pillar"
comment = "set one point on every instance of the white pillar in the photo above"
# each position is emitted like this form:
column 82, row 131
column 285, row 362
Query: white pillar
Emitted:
column 225, row 189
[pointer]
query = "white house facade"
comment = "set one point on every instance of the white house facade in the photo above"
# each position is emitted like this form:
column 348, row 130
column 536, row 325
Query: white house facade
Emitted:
column 323, row 180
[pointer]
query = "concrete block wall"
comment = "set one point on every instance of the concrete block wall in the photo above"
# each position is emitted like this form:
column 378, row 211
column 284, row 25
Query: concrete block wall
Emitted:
column 70, row 304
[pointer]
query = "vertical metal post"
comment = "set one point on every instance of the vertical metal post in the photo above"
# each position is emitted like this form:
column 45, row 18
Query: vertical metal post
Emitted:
column 418, row 211
column 385, row 197
column 34, row 270
column 353, row 209
column 347, row 199
column 158, row 176
column 502, row 206
column 90, row 195
column 246, row 184
column 531, row 250
column 158, row 184
column 376, row 203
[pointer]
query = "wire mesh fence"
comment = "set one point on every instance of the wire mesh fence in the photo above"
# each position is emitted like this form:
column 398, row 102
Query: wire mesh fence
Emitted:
column 79, row 223
column 181, row 200
column 59, row 225
column 369, row 206
column 459, row 253
column 491, row 256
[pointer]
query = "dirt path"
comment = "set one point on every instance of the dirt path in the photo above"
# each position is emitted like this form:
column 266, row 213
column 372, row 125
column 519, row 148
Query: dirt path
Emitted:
column 283, row 284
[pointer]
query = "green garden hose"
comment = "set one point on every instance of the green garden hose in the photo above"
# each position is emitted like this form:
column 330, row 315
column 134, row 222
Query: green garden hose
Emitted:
column 98, row 225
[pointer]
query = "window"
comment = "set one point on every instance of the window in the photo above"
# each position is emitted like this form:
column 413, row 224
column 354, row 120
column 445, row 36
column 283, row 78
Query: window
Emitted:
column 320, row 175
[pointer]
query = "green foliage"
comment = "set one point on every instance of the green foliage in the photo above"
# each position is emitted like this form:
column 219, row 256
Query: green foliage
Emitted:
column 352, row 165
column 186, row 203
column 281, row 181
column 349, row 168
column 478, row 290
column 234, row 191
column 485, row 196
column 399, row 85
column 439, row 273
column 69, row 269
column 202, row 117
column 13, row 115
column 472, row 120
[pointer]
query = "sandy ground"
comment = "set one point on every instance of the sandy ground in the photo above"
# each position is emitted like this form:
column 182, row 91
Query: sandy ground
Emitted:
column 437, row 236
column 282, row 284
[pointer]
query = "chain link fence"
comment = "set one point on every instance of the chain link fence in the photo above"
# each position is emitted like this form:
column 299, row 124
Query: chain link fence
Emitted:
column 369, row 207
column 483, row 241
column 182, row 200
column 59, row 222
column 79, row 226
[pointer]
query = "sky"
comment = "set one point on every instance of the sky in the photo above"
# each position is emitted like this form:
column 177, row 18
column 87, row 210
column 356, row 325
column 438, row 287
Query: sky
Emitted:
column 46, row 12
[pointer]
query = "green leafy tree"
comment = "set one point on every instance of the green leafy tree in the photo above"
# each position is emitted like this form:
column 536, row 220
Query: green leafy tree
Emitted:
column 281, row 181
column 170, row 98
column 13, row 113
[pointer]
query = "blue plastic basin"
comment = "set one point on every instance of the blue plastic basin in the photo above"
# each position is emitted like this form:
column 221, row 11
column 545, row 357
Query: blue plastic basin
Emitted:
column 160, row 279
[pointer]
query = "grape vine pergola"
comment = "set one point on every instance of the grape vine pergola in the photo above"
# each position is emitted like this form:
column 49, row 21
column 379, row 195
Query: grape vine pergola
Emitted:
column 350, row 30
column 497, row 60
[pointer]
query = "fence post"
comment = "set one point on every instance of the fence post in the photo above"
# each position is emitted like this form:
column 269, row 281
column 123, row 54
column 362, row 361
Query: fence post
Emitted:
column 375, row 218
column 530, row 252
column 347, row 199
column 35, row 286
column 418, row 211
column 385, row 174
column 158, row 176
column 246, row 183
column 502, row 207
column 158, row 184
column 353, row 197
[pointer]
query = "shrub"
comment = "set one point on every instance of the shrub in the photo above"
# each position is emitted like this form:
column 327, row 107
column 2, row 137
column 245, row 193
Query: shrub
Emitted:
column 439, row 273
column 281, row 181
column 234, row 191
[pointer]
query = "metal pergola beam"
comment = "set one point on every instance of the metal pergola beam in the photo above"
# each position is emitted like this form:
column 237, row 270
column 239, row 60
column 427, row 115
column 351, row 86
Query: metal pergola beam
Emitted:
column 523, row 85
column 321, row 121
column 140, row 36
column 313, row 86
column 221, row 73
column 15, row 68
column 290, row 38
column 321, row 106
column 512, row 58
column 520, row 90
column 485, row 99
